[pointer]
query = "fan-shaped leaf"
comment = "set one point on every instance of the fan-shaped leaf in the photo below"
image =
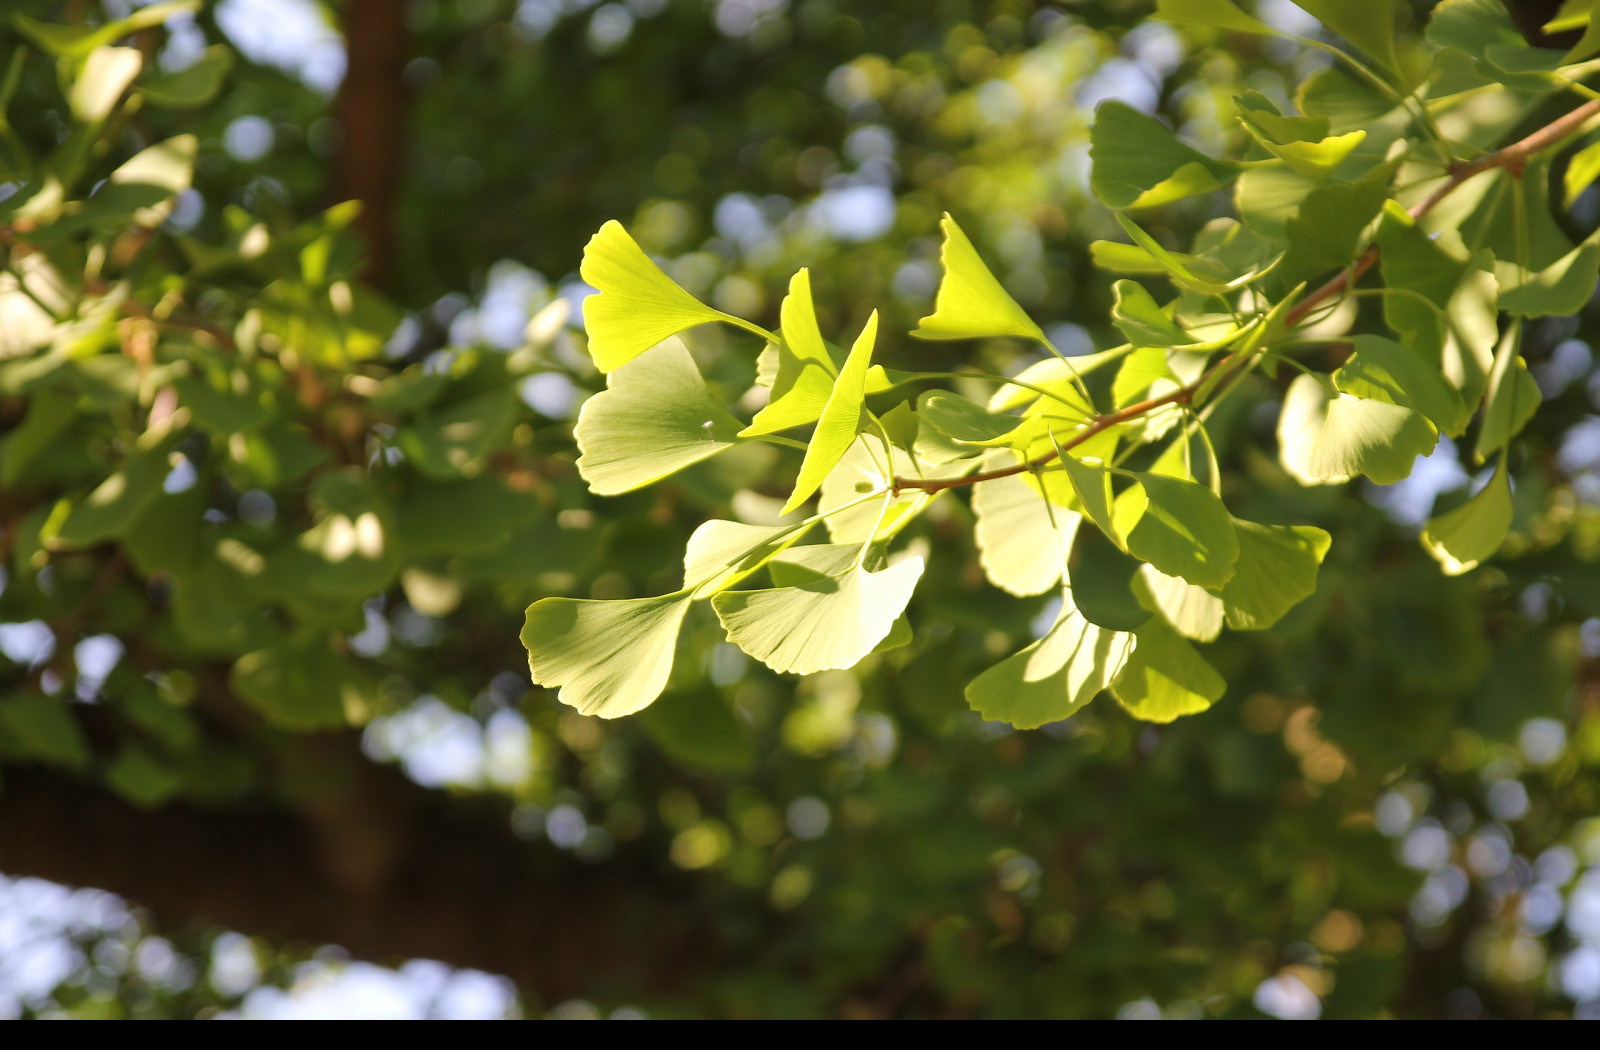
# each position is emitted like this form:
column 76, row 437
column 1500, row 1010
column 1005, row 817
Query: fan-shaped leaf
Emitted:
column 1053, row 677
column 971, row 304
column 840, row 421
column 1138, row 162
column 1022, row 540
column 1165, row 678
column 638, row 305
column 654, row 418
column 1276, row 570
column 610, row 658
column 1179, row 526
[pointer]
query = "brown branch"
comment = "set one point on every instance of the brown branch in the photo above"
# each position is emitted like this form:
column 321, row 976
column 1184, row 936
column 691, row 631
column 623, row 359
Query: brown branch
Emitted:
column 1511, row 158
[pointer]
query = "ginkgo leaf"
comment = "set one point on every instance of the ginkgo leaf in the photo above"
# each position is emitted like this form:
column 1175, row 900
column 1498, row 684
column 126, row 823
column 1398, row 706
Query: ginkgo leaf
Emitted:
column 1276, row 570
column 1188, row 271
column 638, row 305
column 1464, row 537
column 1368, row 25
column 1222, row 14
column 1165, row 678
column 609, row 658
column 1057, row 375
column 1193, row 612
column 1053, row 677
column 1512, row 397
column 1137, row 162
column 805, row 369
column 1314, row 160
column 1264, row 119
column 840, row 421
column 1141, row 320
column 1562, row 288
column 861, row 470
column 1022, row 540
column 964, row 421
column 655, row 417
column 1383, row 370
column 828, row 623
column 1326, row 437
column 721, row 553
column 1139, row 370
column 970, row 303
column 1179, row 526
column 1091, row 484
column 106, row 74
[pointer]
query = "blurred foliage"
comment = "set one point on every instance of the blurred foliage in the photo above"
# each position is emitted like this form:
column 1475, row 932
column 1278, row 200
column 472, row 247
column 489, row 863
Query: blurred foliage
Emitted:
column 244, row 498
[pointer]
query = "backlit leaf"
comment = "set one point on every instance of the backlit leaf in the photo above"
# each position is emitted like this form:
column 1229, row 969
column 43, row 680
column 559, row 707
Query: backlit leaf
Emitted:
column 638, row 305
column 1053, row 677
column 655, row 417
column 1512, row 398
column 1466, row 536
column 1276, row 570
column 828, row 623
column 1326, row 437
column 1141, row 320
column 609, row 658
column 1139, row 163
column 1193, row 612
column 1383, row 370
column 1022, row 540
column 106, row 74
column 970, row 303
column 840, row 421
column 1179, row 526
column 1165, row 678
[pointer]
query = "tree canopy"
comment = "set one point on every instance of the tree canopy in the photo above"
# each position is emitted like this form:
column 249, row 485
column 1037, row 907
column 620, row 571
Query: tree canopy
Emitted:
column 1010, row 509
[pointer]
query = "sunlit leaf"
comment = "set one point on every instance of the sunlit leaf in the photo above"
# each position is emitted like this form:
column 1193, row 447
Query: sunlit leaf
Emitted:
column 1326, row 231
column 806, row 371
column 105, row 77
column 830, row 622
column 1383, row 370
column 1139, row 163
column 1022, row 540
column 638, row 305
column 1562, row 288
column 1326, row 437
column 1276, row 570
column 1193, row 612
column 609, row 658
column 1368, row 25
column 1053, row 677
column 1179, row 526
column 1141, row 320
column 1511, row 400
column 721, row 553
column 970, row 303
column 1466, row 536
column 1221, row 14
column 840, row 421
column 655, row 417
column 1165, row 678
column 1057, row 375
column 964, row 421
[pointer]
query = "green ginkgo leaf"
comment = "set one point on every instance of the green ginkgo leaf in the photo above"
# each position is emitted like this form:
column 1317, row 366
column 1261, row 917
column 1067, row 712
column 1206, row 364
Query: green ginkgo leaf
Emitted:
column 827, row 623
column 1139, row 370
column 1464, row 537
column 1141, row 320
column 840, row 421
column 1512, row 397
column 638, row 305
column 1383, row 370
column 655, row 417
column 1091, row 485
column 1221, row 14
column 1053, row 677
column 1276, row 570
column 610, row 658
column 1179, row 526
column 805, row 369
column 970, row 303
column 962, row 420
column 1264, row 119
column 1165, row 678
column 721, row 553
column 1023, row 541
column 1314, row 160
column 1137, row 162
column 1368, row 25
column 861, row 470
column 106, row 74
column 1326, row 437
column 1193, row 612
column 1562, row 288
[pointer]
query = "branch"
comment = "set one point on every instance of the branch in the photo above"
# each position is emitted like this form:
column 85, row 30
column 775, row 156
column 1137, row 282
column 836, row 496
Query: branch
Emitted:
column 1510, row 158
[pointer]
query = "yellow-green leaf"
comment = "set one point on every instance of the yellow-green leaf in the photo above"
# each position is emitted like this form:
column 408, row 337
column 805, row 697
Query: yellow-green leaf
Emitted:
column 638, row 305
column 1053, row 677
column 609, row 658
column 1165, row 678
column 840, row 421
column 970, row 303
column 1464, row 537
